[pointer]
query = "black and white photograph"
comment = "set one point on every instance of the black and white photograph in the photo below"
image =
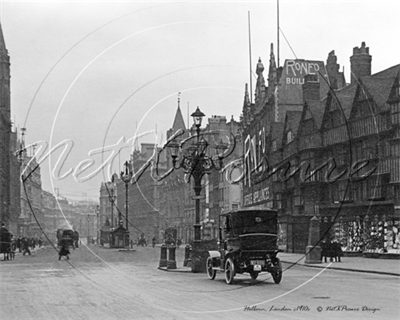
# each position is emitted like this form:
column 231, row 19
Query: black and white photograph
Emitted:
column 199, row 159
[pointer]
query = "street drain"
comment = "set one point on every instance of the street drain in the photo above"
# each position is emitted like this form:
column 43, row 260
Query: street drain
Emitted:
column 320, row 297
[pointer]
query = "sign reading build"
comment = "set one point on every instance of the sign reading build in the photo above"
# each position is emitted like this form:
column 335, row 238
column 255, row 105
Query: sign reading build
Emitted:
column 292, row 79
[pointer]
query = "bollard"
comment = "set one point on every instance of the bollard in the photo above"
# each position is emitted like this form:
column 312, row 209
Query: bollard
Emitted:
column 313, row 250
column 188, row 248
column 171, row 264
column 163, row 257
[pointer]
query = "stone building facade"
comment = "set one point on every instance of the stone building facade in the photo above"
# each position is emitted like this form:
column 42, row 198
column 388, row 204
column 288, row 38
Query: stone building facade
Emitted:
column 330, row 151
column 5, row 133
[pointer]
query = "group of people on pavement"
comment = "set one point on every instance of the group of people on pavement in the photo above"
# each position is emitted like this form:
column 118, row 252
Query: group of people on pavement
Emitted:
column 332, row 250
column 24, row 244
column 10, row 244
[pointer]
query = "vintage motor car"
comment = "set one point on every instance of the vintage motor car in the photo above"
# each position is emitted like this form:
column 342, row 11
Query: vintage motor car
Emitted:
column 248, row 243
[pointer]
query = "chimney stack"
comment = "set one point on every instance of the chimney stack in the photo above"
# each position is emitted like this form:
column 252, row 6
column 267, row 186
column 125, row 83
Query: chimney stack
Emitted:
column 360, row 63
column 311, row 88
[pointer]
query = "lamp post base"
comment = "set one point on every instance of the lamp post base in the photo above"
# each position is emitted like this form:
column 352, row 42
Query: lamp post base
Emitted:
column 126, row 240
column 199, row 254
column 313, row 254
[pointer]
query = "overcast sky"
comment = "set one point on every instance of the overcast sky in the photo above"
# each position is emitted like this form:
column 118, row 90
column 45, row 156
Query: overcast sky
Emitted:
column 93, row 72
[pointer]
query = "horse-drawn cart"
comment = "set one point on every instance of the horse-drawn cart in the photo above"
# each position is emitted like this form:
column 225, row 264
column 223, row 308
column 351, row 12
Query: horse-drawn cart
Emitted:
column 65, row 240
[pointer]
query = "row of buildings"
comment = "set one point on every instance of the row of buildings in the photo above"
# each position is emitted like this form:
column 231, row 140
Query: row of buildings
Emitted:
column 321, row 147
column 310, row 144
column 159, row 200
column 25, row 208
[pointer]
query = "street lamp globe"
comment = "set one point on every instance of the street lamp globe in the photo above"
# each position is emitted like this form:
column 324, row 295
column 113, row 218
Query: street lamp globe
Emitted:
column 174, row 148
column 197, row 117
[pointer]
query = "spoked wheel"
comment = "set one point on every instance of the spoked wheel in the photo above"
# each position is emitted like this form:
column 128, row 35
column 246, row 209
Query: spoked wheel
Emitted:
column 229, row 271
column 254, row 275
column 210, row 271
column 277, row 275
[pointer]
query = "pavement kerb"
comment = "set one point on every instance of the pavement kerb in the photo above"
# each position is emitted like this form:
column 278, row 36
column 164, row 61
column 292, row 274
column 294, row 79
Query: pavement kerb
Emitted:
column 188, row 270
column 179, row 270
column 342, row 269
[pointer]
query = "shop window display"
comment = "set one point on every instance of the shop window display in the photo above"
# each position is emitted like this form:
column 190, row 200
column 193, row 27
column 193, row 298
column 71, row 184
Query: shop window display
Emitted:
column 354, row 237
column 392, row 238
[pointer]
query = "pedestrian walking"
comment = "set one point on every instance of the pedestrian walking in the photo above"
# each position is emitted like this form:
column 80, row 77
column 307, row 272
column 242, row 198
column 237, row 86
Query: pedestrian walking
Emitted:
column 25, row 246
column 19, row 244
column 153, row 241
column 64, row 249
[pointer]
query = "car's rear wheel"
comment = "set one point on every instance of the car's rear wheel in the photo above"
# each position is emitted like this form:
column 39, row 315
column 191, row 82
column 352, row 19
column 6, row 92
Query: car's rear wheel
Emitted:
column 229, row 271
column 277, row 275
column 210, row 271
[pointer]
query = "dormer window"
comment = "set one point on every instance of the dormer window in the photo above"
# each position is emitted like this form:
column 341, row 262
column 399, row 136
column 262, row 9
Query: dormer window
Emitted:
column 395, row 113
column 289, row 137
column 273, row 147
column 398, row 89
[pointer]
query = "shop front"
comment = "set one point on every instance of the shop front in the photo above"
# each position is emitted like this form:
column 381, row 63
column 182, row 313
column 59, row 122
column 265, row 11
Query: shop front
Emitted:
column 362, row 229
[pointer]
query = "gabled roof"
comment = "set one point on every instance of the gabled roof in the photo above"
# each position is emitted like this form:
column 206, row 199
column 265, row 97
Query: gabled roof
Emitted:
column 379, row 87
column 292, row 121
column 387, row 73
column 345, row 97
column 3, row 48
column 316, row 109
column 178, row 122
column 276, row 132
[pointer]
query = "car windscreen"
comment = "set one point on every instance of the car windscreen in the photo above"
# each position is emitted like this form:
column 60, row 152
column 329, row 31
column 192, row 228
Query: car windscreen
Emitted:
column 255, row 222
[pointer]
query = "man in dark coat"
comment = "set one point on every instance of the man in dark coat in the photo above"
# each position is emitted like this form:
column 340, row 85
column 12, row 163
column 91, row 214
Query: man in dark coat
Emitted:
column 76, row 239
column 19, row 243
column 64, row 249
column 25, row 246
column 337, row 250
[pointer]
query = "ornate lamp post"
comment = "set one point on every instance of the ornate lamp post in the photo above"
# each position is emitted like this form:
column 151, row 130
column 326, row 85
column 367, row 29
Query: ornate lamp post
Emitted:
column 196, row 164
column 88, row 229
column 126, row 177
column 97, row 225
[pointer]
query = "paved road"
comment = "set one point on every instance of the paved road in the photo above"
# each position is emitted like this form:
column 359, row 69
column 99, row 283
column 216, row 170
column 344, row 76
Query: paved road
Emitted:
column 107, row 284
